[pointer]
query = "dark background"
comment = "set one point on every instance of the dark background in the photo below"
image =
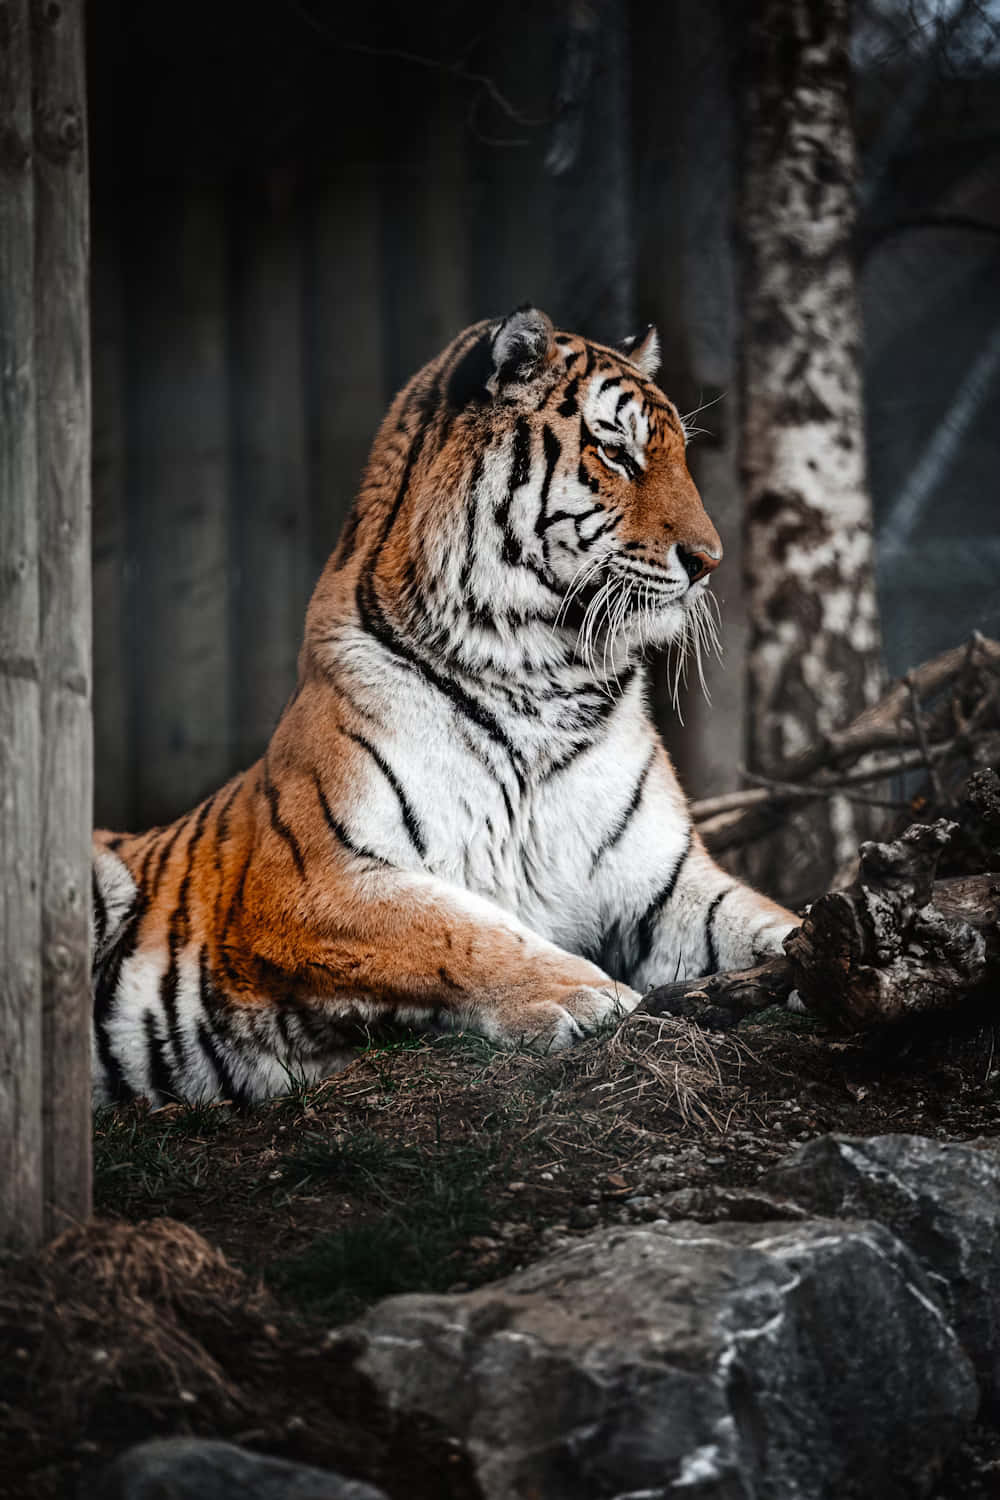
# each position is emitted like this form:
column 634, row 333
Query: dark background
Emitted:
column 295, row 205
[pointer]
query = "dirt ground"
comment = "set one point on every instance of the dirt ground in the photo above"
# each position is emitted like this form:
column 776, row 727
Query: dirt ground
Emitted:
column 429, row 1164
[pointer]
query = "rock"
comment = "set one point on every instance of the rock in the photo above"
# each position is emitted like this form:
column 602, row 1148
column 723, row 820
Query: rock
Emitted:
column 709, row 1205
column 725, row 1364
column 192, row 1469
column 941, row 1200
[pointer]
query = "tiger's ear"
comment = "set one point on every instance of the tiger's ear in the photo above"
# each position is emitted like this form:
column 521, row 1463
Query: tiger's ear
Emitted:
column 643, row 349
column 513, row 350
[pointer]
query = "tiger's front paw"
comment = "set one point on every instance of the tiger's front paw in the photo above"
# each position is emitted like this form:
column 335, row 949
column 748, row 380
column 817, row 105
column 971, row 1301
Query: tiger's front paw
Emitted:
column 553, row 1025
column 770, row 943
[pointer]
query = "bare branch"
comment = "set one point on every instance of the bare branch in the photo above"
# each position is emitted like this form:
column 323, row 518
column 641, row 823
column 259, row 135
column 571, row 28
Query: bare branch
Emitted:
column 454, row 69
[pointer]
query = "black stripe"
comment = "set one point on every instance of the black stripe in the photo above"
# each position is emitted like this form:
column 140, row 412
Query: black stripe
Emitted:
column 161, row 1078
column 472, row 519
column 224, row 1079
column 100, row 909
column 609, row 384
column 280, row 826
column 166, row 848
column 237, row 897
column 617, row 831
column 711, row 948
column 215, row 1011
column 178, row 933
column 599, row 712
column 568, row 407
column 623, row 400
column 181, row 916
column 376, row 623
column 645, row 928
column 520, row 473
column 552, row 448
column 410, row 820
column 106, row 985
column 339, row 831
column 222, row 822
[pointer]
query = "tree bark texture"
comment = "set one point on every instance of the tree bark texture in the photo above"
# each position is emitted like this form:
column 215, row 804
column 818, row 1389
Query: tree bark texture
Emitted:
column 20, row 724
column 62, row 355
column 814, row 641
column 897, row 943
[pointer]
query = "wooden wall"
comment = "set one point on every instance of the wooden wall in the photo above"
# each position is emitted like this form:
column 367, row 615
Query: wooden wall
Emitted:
column 286, row 226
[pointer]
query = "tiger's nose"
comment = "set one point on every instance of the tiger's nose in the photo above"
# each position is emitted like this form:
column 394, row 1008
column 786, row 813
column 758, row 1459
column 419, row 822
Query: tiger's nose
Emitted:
column 696, row 564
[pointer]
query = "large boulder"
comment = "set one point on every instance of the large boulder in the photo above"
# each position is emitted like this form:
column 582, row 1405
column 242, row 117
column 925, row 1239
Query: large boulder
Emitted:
column 941, row 1200
column 743, row 1362
column 195, row 1469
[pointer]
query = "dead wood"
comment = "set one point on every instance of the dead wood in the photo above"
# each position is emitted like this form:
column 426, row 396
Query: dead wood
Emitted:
column 720, row 1000
column 942, row 717
column 897, row 943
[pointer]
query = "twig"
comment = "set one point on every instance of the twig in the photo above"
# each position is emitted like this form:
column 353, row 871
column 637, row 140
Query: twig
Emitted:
column 419, row 60
column 918, row 725
column 877, row 728
column 760, row 796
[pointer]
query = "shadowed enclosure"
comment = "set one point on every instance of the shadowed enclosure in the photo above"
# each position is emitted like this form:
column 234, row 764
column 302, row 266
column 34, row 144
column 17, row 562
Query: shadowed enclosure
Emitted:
column 291, row 214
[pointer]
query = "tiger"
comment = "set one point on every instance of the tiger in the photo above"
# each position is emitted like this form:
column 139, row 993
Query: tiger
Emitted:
column 465, row 817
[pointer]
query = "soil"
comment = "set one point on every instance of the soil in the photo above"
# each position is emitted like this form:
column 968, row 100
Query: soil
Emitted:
column 227, row 1244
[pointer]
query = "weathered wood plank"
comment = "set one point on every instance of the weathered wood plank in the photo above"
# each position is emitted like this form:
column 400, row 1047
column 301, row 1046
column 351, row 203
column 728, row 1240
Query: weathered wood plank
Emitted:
column 347, row 390
column 112, row 572
column 270, row 466
column 424, row 236
column 179, row 498
column 62, row 353
column 20, row 733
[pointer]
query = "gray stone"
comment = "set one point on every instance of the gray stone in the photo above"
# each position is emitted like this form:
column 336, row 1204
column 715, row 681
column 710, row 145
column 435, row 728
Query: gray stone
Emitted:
column 943, row 1202
column 743, row 1362
column 193, row 1469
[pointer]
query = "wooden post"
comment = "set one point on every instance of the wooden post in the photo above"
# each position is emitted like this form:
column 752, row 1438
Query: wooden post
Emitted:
column 45, row 727
column 20, row 731
column 62, row 356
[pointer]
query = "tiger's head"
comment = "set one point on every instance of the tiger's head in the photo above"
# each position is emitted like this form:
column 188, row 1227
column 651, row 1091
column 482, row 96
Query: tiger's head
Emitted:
column 528, row 499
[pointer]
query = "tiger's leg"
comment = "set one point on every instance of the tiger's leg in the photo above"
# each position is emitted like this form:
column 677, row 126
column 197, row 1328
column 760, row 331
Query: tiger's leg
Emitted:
column 411, row 947
column 696, row 920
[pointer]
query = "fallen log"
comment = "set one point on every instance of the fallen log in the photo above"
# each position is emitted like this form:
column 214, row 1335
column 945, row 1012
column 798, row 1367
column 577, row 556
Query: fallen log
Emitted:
column 897, row 943
column 718, row 1001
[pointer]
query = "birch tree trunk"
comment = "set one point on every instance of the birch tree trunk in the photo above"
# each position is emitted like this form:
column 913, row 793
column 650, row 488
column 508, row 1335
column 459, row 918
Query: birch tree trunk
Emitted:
column 814, row 641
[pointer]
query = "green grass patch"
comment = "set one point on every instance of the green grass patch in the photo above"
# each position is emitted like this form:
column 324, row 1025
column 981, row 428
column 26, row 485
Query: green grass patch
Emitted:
column 147, row 1158
column 426, row 1203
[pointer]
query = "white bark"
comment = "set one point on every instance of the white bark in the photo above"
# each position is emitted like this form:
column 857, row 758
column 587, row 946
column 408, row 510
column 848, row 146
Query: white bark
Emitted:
column 814, row 655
